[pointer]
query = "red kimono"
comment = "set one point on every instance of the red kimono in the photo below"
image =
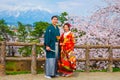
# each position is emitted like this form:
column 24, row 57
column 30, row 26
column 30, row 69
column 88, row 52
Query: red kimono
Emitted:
column 67, row 62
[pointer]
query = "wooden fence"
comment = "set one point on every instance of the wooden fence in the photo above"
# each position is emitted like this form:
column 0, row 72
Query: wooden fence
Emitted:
column 33, row 58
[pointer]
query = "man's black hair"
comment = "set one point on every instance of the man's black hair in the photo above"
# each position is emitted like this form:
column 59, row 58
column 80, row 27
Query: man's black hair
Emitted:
column 54, row 17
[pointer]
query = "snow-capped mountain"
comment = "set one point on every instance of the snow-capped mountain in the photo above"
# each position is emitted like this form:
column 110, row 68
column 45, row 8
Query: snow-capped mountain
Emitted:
column 26, row 17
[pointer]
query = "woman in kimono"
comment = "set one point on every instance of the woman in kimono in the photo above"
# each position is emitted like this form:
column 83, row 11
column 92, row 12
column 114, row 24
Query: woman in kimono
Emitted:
column 67, row 62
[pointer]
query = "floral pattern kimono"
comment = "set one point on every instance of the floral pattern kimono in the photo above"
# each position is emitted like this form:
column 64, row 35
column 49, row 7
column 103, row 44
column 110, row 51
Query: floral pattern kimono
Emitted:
column 67, row 62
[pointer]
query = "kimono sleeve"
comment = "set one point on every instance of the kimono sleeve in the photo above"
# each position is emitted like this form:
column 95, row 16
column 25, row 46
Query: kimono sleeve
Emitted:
column 47, row 37
column 73, row 38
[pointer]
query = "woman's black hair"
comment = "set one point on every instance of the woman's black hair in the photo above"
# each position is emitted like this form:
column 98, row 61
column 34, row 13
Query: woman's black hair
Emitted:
column 67, row 25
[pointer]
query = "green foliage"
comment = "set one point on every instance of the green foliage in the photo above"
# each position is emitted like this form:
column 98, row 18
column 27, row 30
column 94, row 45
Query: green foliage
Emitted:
column 5, row 31
column 74, row 30
column 80, row 32
column 25, row 33
column 25, row 51
column 39, row 28
column 39, row 50
column 22, row 32
column 33, row 34
column 62, row 17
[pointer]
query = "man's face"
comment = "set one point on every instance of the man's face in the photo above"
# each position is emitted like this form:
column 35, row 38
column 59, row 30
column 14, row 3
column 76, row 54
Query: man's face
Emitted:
column 54, row 21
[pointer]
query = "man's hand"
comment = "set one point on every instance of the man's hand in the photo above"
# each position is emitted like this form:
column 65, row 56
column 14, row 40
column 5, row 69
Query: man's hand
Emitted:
column 61, row 44
column 48, row 48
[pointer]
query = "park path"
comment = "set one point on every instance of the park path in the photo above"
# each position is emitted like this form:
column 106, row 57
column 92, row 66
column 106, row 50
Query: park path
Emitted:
column 77, row 76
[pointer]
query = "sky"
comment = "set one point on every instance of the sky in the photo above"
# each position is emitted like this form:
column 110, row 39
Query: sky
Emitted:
column 73, row 7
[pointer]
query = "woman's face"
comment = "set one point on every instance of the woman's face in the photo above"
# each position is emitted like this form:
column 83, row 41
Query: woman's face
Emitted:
column 66, row 28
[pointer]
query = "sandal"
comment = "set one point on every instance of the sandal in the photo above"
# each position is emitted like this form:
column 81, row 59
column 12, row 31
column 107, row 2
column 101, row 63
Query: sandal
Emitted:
column 69, row 75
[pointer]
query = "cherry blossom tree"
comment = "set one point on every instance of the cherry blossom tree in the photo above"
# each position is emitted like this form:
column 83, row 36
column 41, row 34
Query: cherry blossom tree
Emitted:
column 103, row 27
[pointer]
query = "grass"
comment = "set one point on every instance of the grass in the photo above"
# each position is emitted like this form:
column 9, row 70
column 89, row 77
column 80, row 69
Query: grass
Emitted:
column 42, row 71
column 22, row 72
column 116, row 69
column 17, row 72
column 91, row 71
column 11, row 69
column 11, row 65
column 104, row 70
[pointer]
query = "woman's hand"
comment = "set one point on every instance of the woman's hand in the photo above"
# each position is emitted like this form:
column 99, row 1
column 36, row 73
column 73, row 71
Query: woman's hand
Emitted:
column 48, row 48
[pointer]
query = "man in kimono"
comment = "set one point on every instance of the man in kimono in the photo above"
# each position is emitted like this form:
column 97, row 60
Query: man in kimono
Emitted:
column 49, row 41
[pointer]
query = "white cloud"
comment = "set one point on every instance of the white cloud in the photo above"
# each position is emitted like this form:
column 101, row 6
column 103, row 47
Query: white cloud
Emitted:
column 70, row 6
column 74, row 7
column 21, row 5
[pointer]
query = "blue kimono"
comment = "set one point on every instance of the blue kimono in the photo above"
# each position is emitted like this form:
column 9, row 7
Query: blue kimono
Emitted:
column 50, row 40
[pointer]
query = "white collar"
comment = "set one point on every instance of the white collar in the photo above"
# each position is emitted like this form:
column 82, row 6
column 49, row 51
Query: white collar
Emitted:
column 66, row 33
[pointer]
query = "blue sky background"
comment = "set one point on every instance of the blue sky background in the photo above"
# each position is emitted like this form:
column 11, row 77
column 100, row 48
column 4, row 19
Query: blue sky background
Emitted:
column 73, row 7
